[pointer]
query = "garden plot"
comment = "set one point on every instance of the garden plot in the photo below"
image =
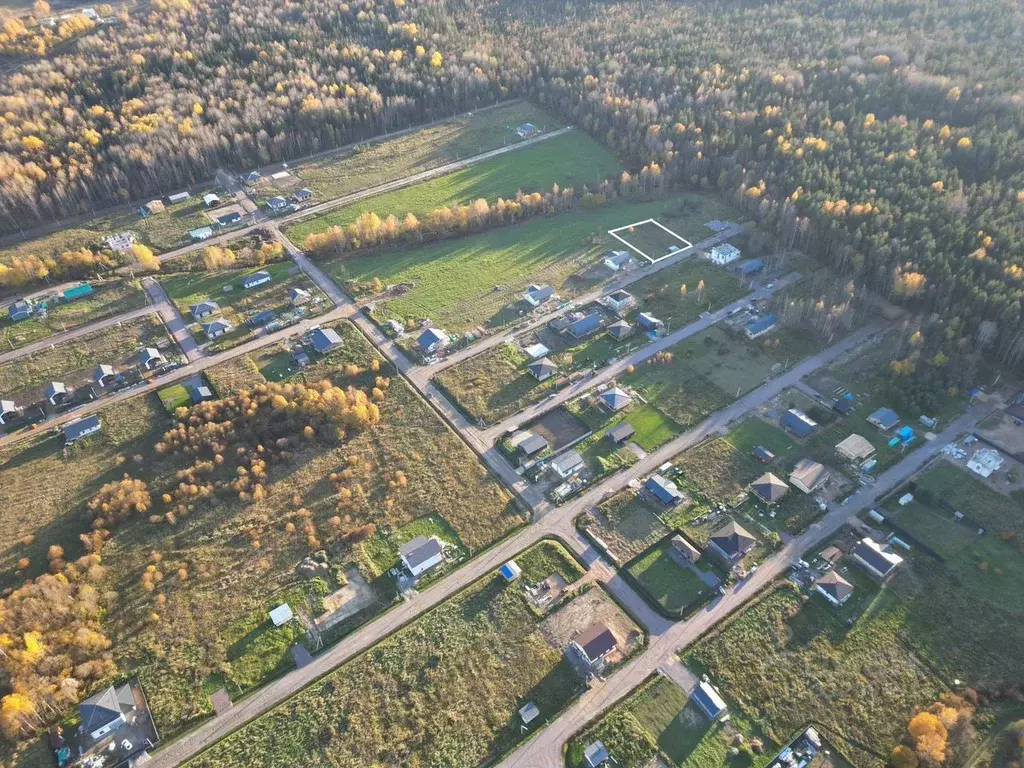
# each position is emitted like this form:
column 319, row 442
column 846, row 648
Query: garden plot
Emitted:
column 626, row 524
column 651, row 239
column 670, row 581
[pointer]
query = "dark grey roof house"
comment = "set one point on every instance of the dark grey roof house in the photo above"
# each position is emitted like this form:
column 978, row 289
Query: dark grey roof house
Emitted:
column 732, row 541
column 76, row 430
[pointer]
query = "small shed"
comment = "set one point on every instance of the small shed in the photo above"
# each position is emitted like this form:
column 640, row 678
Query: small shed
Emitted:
column 178, row 197
column 155, row 206
column 210, row 200
column 621, row 432
column 303, row 194
column 510, row 571
column 77, row 292
column 281, row 615
column 528, row 713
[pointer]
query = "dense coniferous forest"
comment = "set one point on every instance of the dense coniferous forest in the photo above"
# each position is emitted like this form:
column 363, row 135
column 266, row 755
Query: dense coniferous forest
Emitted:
column 882, row 136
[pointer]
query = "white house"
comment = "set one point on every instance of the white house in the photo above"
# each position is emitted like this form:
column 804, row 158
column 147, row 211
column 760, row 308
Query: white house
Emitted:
column 421, row 554
column 616, row 260
column 724, row 253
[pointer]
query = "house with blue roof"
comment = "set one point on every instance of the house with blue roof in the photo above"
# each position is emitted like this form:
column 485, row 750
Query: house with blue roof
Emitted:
column 433, row 340
column 761, row 326
column 20, row 310
column 76, row 430
column 325, row 339
column 261, row 318
column 585, row 325
column 709, row 700
column 750, row 267
column 798, row 422
column 649, row 322
column 884, row 418
column 663, row 489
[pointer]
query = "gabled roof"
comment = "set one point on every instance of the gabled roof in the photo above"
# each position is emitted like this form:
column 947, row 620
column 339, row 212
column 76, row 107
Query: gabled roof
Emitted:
column 761, row 324
column 533, row 444
column 150, row 353
column 220, row 324
column 709, row 700
column 540, row 293
column 55, row 388
column 102, row 371
column 854, row 447
column 596, row 640
column 808, row 473
column 798, row 422
column 663, row 489
column 621, row 432
column 277, row 202
column 420, row 550
column 105, row 707
column 76, row 429
column 325, row 339
column 256, row 277
column 432, row 336
column 303, row 194
column 769, row 487
column 567, row 462
column 620, row 329
column 648, row 321
column 884, row 418
column 733, row 539
column 763, row 454
column 8, row 406
column 873, row 554
column 300, row 293
column 204, row 307
column 835, row 585
column 618, row 258
column 616, row 398
column 585, row 324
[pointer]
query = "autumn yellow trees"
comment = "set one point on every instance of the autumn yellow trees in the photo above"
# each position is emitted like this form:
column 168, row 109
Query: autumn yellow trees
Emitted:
column 942, row 734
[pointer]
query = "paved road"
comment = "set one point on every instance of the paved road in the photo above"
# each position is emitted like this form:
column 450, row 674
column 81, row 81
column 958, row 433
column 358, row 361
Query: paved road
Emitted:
column 545, row 750
column 60, row 338
column 172, row 318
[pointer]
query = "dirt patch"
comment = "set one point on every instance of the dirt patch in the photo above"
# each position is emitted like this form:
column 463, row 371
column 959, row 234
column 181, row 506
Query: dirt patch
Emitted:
column 559, row 427
column 347, row 601
column 569, row 621
column 223, row 211
column 1004, row 433
column 626, row 525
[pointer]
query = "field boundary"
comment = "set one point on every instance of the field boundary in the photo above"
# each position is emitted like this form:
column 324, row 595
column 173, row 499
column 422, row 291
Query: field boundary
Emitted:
column 655, row 222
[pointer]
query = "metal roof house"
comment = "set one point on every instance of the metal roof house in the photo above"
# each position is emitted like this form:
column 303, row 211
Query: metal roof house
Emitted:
column 621, row 432
column 732, row 541
column 834, row 588
column 261, row 318
column 76, row 430
column 104, row 374
column 616, row 260
column 536, row 295
column 808, row 475
column 532, row 445
column 620, row 330
column 150, row 357
column 663, row 489
column 542, row 369
column 204, row 309
column 178, row 197
column 303, row 194
column 251, row 176
column 761, row 326
column 709, row 700
column 585, row 325
column 595, row 643
column 300, row 296
column 876, row 559
column 750, row 267
column 217, row 327
column 8, row 410
column 567, row 465
column 256, row 279
column 229, row 218
column 56, row 392
column 421, row 554
column 77, row 292
column 325, row 339
column 685, row 548
column 20, row 310
column 433, row 340
column 615, row 399
column 202, row 233
column 596, row 754
column 762, row 454
column 648, row 322
column 724, row 253
column 536, row 351
column 277, row 203
column 884, row 418
column 798, row 422
column 769, row 488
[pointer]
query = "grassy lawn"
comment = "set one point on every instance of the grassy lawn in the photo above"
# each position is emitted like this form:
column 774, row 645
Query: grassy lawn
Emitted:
column 546, row 558
column 652, row 240
column 74, row 361
column 570, row 160
column 442, row 691
column 382, row 549
column 626, row 524
column 371, row 164
column 784, row 662
column 211, row 626
column 671, row 585
column 652, row 427
column 110, row 298
column 467, row 282
column 661, row 294
column 239, row 304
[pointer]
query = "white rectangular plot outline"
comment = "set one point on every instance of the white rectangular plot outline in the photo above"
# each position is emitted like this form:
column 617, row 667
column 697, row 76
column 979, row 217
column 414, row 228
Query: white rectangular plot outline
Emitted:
column 655, row 222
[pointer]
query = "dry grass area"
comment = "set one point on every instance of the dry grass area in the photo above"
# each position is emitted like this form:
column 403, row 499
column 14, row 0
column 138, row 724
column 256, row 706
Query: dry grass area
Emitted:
column 229, row 560
column 592, row 606
column 626, row 524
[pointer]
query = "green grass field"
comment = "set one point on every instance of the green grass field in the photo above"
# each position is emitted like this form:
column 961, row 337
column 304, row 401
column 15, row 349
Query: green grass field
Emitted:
column 570, row 160
column 442, row 691
column 375, row 163
column 662, row 293
column 382, row 549
column 671, row 585
column 467, row 282
column 652, row 240
column 111, row 298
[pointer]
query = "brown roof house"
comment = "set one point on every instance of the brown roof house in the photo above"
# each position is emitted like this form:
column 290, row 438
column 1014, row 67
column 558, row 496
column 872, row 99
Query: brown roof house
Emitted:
column 594, row 644
column 808, row 475
column 834, row 588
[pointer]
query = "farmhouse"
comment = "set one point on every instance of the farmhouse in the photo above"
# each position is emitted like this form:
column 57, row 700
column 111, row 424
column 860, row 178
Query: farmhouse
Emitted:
column 8, row 411
column 585, row 325
column 769, row 488
column 876, row 559
column 229, row 218
column 264, row 317
column 203, row 233
column 155, row 206
column 854, row 448
column 150, row 357
column 688, row 552
column 542, row 369
column 808, row 475
column 616, row 260
column 732, row 541
column 567, row 465
column 620, row 301
column 77, row 292
column 798, row 422
column 615, row 399
column 217, row 327
column 594, row 644
column 834, row 588
column 76, row 430
column 621, row 432
column 421, row 554
column 277, row 203
column 725, row 253
column 325, row 339
column 763, row 455
column 537, row 294
column 663, row 489
column 104, row 375
column 121, row 242
column 256, row 279
column 300, row 296
column 762, row 325
column 884, row 418
column 433, row 340
column 709, row 700
column 178, row 197
column 210, row 199
column 116, row 727
column 204, row 309
column 596, row 754
column 303, row 194
column 620, row 330
column 56, row 392
column 20, row 310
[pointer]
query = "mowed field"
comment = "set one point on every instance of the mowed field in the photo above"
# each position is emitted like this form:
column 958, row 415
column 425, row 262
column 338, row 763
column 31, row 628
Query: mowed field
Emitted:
column 569, row 160
column 444, row 690
column 110, row 298
column 375, row 163
column 239, row 555
column 463, row 283
column 74, row 361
